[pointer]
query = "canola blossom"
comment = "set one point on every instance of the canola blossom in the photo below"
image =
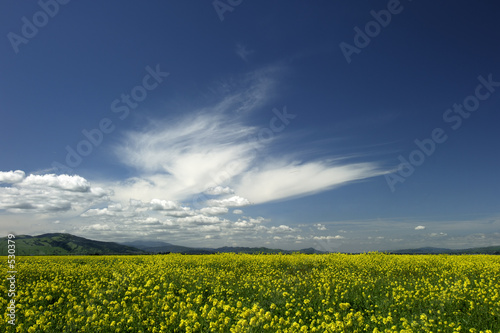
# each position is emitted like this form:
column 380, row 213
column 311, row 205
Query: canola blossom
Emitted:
column 256, row 293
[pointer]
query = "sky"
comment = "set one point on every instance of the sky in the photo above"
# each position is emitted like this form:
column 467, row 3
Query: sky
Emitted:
column 343, row 126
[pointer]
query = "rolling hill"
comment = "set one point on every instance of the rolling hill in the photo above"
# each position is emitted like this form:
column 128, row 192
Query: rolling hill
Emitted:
column 64, row 244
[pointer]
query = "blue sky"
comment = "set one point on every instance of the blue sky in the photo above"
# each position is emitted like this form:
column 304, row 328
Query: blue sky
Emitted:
column 290, row 124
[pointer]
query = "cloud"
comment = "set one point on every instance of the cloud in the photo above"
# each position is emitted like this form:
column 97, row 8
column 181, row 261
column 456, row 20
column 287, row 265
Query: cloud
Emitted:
column 281, row 229
column 320, row 226
column 200, row 219
column 97, row 227
column 242, row 52
column 177, row 161
column 140, row 219
column 234, row 201
column 435, row 234
column 48, row 193
column 218, row 190
column 328, row 237
column 214, row 210
column 62, row 182
column 420, row 227
column 281, row 179
column 237, row 211
column 157, row 204
column 12, row 177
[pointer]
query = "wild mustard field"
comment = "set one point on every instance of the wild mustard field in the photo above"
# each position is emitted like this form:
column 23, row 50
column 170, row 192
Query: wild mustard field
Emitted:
column 257, row 293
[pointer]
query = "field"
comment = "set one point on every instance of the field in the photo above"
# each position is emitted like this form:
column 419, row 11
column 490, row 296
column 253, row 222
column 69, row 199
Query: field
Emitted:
column 256, row 293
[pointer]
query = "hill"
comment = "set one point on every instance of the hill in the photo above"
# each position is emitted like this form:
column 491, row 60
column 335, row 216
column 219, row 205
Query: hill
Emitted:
column 434, row 250
column 64, row 244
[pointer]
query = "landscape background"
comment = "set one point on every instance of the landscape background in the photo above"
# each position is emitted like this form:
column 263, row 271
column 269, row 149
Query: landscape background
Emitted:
column 66, row 244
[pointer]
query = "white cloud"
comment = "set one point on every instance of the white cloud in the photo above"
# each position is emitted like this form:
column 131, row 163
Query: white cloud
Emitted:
column 420, row 227
column 115, row 207
column 178, row 160
column 218, row 190
column 281, row 229
column 97, row 227
column 281, row 180
column 320, row 226
column 234, row 201
column 62, row 182
column 12, row 177
column 200, row 219
column 243, row 224
column 182, row 212
column 328, row 237
column 214, row 210
column 237, row 211
column 49, row 193
column 157, row 204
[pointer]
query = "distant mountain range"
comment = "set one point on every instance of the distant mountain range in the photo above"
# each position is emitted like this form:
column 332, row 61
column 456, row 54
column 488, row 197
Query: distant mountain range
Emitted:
column 162, row 247
column 67, row 244
column 436, row 250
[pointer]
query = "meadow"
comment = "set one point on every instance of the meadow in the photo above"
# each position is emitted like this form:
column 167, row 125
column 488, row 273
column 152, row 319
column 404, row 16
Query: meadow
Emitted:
column 371, row 292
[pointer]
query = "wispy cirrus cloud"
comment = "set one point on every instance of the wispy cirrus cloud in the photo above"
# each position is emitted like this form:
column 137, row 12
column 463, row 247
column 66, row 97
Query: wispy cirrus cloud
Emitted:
column 287, row 179
column 216, row 151
column 243, row 52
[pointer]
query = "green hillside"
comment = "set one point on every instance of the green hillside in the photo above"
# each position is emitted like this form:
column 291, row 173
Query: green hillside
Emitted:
column 64, row 244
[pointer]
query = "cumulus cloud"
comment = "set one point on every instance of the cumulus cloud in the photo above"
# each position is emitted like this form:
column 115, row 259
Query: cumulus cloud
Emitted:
column 234, row 201
column 96, row 226
column 62, row 182
column 218, row 190
column 140, row 219
column 214, row 210
column 420, row 227
column 237, row 211
column 48, row 193
column 181, row 212
column 281, row 229
column 157, row 204
column 200, row 219
column 12, row 177
column 320, row 226
column 328, row 237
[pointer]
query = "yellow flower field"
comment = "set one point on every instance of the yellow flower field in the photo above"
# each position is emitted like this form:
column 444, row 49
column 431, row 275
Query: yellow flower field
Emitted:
column 256, row 293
